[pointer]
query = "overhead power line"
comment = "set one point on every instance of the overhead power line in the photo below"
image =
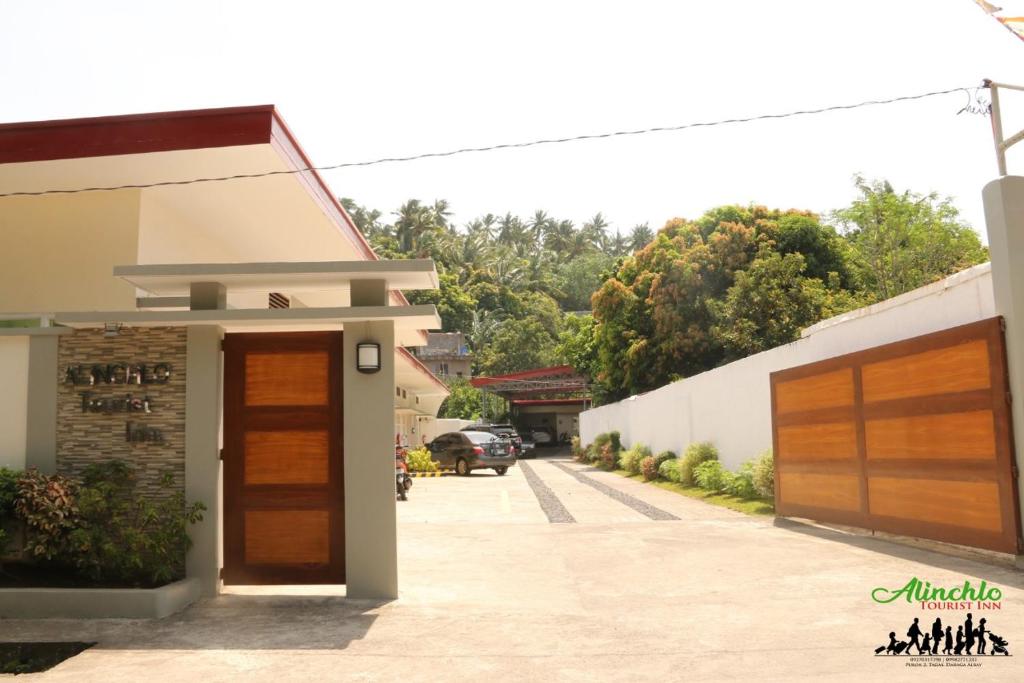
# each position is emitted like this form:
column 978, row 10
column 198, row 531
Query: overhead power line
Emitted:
column 969, row 91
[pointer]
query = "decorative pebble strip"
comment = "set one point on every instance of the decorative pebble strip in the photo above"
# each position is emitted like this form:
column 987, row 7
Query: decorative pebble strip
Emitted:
column 624, row 498
column 428, row 474
column 549, row 503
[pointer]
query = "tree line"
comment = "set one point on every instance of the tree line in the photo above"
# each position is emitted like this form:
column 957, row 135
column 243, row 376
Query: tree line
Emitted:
column 636, row 309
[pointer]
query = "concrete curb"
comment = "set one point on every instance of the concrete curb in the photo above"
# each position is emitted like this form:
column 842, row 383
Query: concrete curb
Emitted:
column 98, row 603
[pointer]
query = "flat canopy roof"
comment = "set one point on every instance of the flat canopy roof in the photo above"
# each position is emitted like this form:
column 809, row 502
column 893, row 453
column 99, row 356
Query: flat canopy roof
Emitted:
column 559, row 379
column 176, row 279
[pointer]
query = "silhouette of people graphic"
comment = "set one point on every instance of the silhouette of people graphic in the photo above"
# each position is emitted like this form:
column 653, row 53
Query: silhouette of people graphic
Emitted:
column 980, row 632
column 948, row 649
column 892, row 644
column 936, row 635
column 927, row 644
column 969, row 632
column 914, row 633
column 959, row 640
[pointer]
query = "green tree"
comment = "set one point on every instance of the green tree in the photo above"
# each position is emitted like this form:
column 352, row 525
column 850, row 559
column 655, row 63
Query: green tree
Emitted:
column 901, row 241
column 517, row 345
column 463, row 402
column 578, row 279
column 455, row 306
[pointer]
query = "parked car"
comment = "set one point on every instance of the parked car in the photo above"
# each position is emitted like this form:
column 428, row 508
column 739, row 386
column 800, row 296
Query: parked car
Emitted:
column 506, row 431
column 468, row 451
column 542, row 438
column 529, row 445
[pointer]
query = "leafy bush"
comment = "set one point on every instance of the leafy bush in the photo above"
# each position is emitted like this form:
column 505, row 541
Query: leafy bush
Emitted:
column 764, row 474
column 741, row 483
column 602, row 440
column 630, row 459
column 696, row 453
column 608, row 458
column 575, row 448
column 8, row 492
column 47, row 506
column 710, row 476
column 669, row 470
column 662, row 457
column 649, row 468
column 616, row 441
column 418, row 460
column 122, row 537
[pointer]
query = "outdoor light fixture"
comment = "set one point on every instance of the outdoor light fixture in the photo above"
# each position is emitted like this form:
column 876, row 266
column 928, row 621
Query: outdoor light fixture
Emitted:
column 111, row 329
column 368, row 357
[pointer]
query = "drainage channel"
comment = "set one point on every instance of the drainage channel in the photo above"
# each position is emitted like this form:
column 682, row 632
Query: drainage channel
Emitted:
column 549, row 503
column 640, row 506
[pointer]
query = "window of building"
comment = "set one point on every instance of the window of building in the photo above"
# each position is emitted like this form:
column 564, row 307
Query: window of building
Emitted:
column 442, row 368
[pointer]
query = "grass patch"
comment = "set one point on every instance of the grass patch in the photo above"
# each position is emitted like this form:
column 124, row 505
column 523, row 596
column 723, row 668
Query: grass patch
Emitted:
column 754, row 506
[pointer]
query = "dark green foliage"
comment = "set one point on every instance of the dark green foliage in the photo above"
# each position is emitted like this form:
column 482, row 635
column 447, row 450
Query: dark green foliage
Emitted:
column 47, row 506
column 710, row 476
column 8, row 492
column 663, row 457
column 615, row 439
column 669, row 470
column 123, row 537
column 764, row 474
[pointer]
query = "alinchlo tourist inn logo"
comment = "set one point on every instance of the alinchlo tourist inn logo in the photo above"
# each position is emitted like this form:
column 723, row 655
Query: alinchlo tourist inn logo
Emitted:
column 955, row 629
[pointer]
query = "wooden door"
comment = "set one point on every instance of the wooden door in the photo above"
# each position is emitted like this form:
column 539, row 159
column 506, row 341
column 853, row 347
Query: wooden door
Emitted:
column 283, row 466
column 912, row 438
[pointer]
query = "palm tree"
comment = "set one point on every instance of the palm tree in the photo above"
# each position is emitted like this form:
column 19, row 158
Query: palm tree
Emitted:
column 640, row 236
column 560, row 237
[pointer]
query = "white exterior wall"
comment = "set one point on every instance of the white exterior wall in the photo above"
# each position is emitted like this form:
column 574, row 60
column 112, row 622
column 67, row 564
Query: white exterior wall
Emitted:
column 730, row 406
column 432, row 427
column 13, row 400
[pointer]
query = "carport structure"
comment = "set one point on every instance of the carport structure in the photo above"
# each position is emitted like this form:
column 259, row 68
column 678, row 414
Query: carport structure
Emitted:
column 548, row 399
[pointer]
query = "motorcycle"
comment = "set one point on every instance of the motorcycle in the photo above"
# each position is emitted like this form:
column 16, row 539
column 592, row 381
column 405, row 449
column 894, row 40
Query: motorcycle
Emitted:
column 403, row 482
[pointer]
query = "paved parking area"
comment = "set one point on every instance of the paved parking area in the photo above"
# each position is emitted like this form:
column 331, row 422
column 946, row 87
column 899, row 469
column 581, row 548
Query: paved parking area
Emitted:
column 492, row 589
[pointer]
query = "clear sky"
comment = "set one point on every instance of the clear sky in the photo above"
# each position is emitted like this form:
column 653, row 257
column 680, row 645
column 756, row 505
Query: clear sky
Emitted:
column 360, row 80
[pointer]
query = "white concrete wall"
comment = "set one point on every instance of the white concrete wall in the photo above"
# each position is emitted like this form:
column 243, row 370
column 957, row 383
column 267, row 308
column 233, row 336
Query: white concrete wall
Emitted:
column 433, row 427
column 730, row 406
column 13, row 400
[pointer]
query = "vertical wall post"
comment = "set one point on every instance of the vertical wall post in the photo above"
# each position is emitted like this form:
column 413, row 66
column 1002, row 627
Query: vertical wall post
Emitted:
column 203, row 384
column 371, row 532
column 41, row 425
column 1004, row 217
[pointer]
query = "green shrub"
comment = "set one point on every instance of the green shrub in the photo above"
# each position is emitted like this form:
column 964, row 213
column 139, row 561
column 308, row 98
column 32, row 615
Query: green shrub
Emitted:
column 120, row 536
column 710, row 476
column 662, row 457
column 616, row 441
column 47, row 506
column 418, row 460
column 669, row 470
column 764, row 474
column 602, row 440
column 608, row 458
column 741, row 482
column 696, row 453
column 575, row 448
column 649, row 468
column 8, row 492
column 630, row 459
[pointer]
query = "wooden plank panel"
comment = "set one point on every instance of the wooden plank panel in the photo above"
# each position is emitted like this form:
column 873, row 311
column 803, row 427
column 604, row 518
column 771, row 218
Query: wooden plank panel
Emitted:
column 956, row 503
column 286, row 379
column 825, row 441
column 953, row 436
column 286, row 457
column 829, row 491
column 827, row 390
column 964, row 367
column 287, row 536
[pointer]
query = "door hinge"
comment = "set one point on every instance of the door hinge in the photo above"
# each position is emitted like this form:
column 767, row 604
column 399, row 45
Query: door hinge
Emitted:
column 220, row 454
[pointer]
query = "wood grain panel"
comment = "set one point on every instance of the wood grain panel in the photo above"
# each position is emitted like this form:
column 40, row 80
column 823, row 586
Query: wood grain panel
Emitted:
column 286, row 457
column 969, row 504
column 952, row 436
column 287, row 536
column 829, row 491
column 824, row 441
column 827, row 390
column 286, row 379
column 963, row 367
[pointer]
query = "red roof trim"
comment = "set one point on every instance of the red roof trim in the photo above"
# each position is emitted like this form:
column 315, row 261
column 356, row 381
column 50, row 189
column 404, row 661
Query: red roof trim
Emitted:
column 549, row 401
column 135, row 134
column 422, row 368
column 553, row 371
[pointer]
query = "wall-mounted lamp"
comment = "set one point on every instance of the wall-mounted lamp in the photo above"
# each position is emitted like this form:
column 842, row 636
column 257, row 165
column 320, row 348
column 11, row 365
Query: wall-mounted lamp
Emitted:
column 368, row 357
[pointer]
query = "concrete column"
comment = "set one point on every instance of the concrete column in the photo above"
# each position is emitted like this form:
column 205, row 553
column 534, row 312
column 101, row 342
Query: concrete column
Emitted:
column 371, row 533
column 41, row 424
column 203, row 383
column 1004, row 216
column 207, row 296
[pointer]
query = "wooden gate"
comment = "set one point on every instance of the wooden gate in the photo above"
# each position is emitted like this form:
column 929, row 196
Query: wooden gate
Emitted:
column 283, row 472
column 912, row 438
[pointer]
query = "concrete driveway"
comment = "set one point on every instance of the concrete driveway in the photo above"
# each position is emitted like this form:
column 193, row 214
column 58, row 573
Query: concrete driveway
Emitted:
column 558, row 572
